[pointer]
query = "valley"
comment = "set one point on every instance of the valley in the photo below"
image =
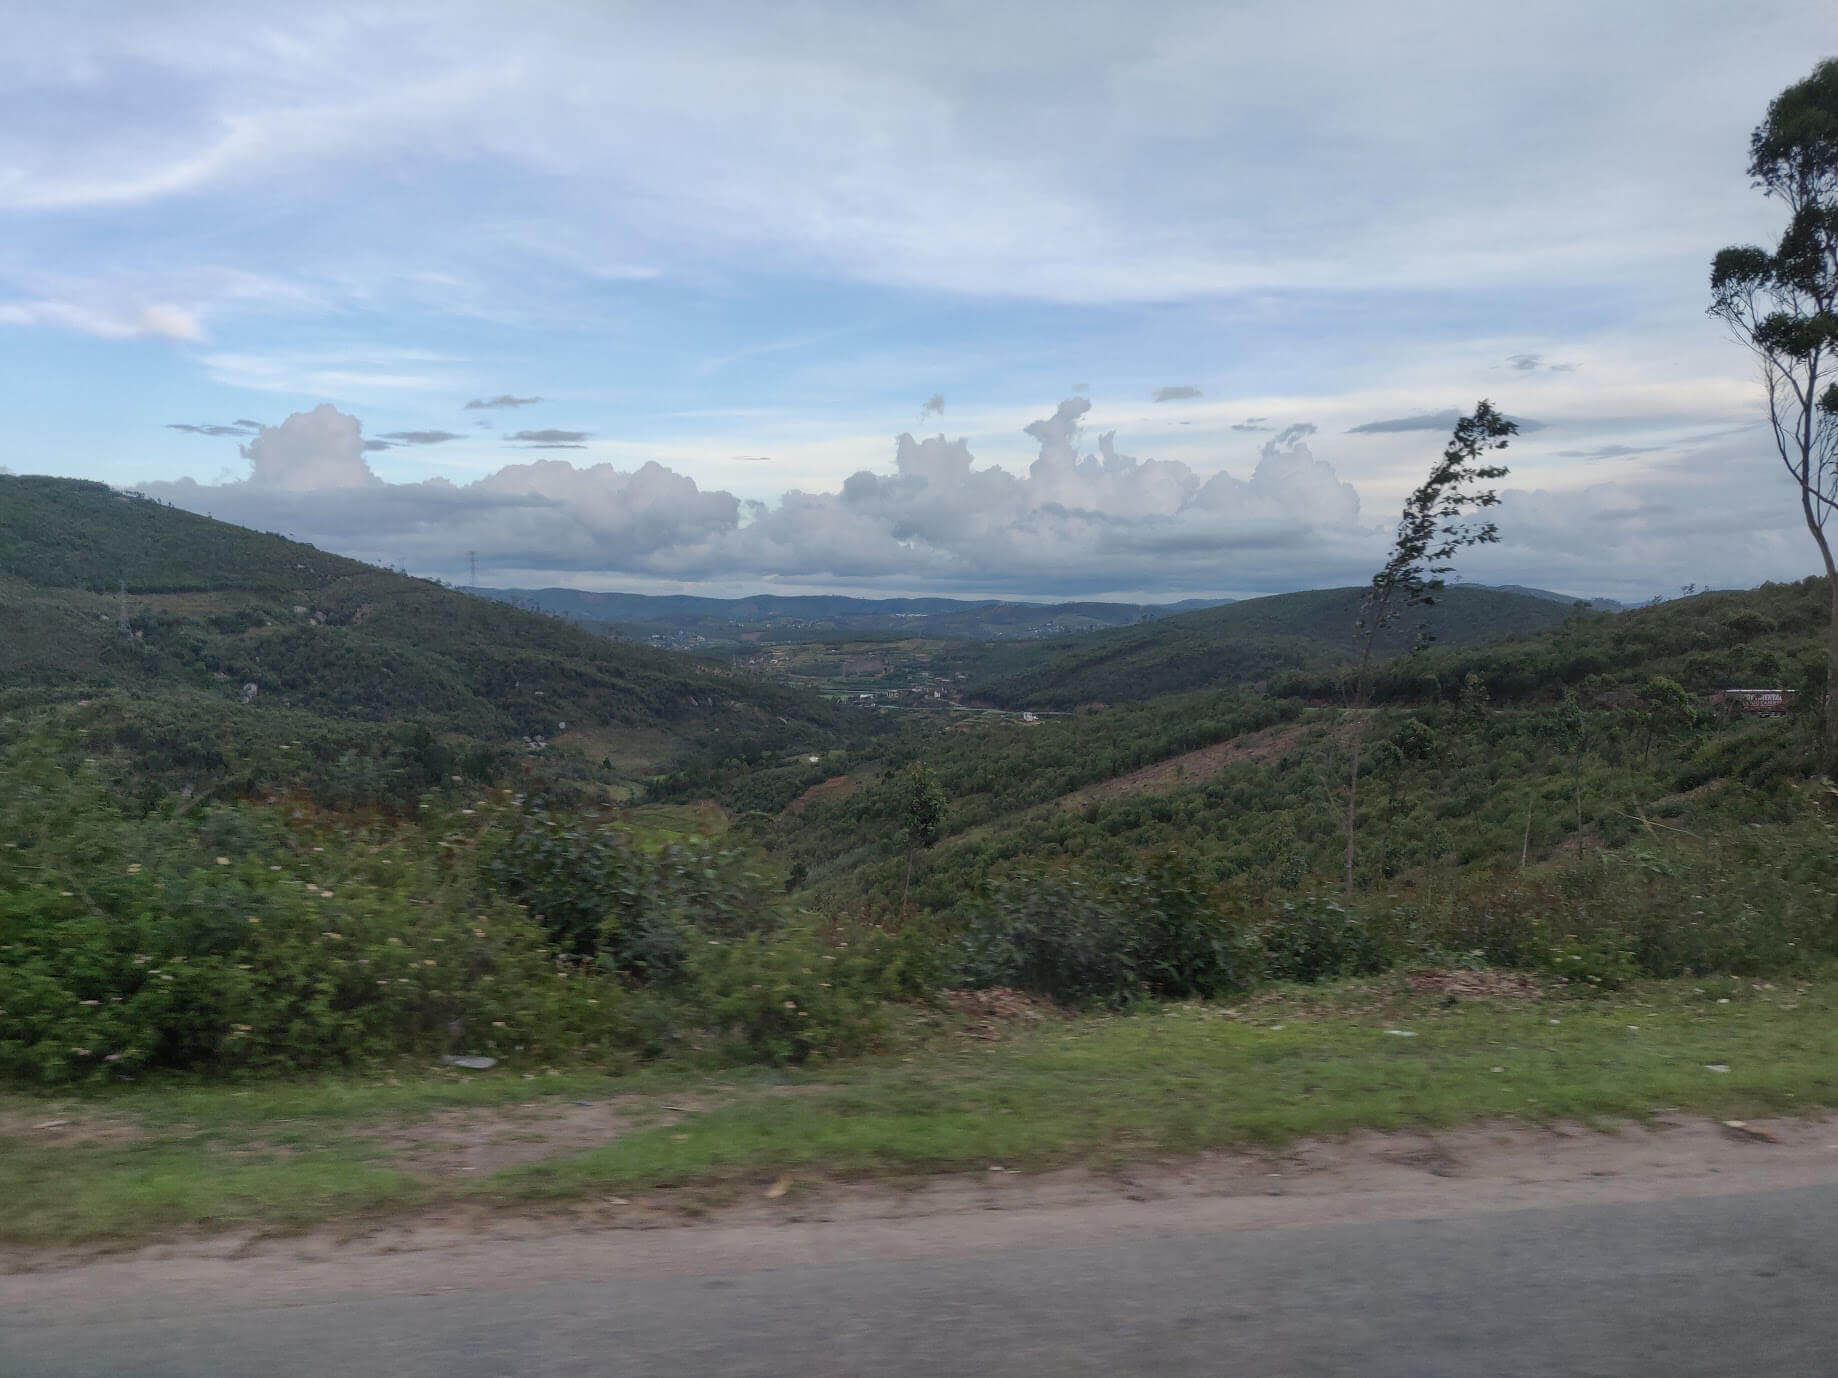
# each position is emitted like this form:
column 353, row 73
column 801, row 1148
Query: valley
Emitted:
column 271, row 813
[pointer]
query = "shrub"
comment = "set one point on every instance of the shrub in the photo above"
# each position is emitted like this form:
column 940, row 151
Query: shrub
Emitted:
column 795, row 997
column 1109, row 938
column 1317, row 939
column 598, row 891
column 226, row 939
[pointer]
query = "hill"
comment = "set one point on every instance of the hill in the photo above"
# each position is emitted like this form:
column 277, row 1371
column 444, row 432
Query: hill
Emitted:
column 1601, row 731
column 720, row 623
column 206, row 647
column 1594, row 604
column 1241, row 643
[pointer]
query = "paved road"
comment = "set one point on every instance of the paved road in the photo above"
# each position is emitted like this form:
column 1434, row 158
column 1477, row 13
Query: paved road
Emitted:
column 1718, row 1285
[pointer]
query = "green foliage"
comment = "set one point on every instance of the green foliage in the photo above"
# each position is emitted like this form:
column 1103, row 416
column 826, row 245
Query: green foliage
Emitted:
column 1319, row 939
column 798, row 997
column 1605, row 657
column 1240, row 644
column 1783, row 306
column 157, row 619
column 233, row 936
column 1107, row 938
column 230, row 938
column 600, row 891
column 922, row 805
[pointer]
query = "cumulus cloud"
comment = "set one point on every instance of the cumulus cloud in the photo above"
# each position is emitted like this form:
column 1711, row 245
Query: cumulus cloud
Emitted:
column 1430, row 421
column 503, row 399
column 1082, row 518
column 932, row 406
column 318, row 450
column 1179, row 392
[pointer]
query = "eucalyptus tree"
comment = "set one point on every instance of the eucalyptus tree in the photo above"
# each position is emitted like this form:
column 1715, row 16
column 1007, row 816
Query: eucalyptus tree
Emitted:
column 921, row 804
column 1437, row 523
column 1782, row 305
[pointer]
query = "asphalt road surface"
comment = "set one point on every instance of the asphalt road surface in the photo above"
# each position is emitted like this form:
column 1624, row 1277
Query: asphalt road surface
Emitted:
column 1711, row 1285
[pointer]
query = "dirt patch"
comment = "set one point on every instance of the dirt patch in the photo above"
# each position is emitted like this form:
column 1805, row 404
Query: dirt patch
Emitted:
column 53, row 1128
column 836, row 787
column 770, row 1220
column 451, row 1142
column 1475, row 985
column 988, row 1013
column 1178, row 772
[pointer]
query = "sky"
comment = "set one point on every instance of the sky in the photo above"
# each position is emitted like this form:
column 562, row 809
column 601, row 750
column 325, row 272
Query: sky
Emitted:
column 1015, row 300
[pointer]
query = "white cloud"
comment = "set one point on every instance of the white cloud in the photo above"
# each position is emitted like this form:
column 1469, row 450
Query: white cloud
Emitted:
column 1046, row 159
column 314, row 451
column 160, row 320
column 356, row 372
column 1077, row 520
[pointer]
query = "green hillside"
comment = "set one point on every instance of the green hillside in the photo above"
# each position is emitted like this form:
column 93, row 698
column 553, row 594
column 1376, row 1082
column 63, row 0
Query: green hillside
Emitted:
column 1592, row 736
column 151, row 624
column 728, row 623
column 1240, row 643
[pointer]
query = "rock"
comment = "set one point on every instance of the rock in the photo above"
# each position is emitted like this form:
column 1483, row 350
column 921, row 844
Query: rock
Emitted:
column 475, row 1064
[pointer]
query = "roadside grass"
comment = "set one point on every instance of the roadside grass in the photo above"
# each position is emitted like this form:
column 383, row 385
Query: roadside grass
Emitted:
column 155, row 1158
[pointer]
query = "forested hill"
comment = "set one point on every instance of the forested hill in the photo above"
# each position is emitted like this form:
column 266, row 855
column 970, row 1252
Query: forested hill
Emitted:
column 158, row 620
column 779, row 617
column 1243, row 642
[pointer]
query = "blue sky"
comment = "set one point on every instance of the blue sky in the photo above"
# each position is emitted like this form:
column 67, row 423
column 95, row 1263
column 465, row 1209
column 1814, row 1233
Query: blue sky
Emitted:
column 734, row 250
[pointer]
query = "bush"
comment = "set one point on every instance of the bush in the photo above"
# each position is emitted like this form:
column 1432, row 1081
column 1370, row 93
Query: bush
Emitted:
column 599, row 892
column 795, row 997
column 1316, row 939
column 1109, row 938
column 227, row 939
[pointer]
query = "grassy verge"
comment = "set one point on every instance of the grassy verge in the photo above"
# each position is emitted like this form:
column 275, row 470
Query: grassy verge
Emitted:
column 147, row 1159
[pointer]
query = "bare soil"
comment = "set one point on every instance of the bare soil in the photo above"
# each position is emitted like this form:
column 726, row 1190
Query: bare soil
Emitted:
column 1178, row 772
column 836, row 787
column 1364, row 1177
column 450, row 1142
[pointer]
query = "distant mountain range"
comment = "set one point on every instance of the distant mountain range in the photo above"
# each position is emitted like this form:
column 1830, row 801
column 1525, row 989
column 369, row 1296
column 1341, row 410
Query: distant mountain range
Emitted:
column 691, row 620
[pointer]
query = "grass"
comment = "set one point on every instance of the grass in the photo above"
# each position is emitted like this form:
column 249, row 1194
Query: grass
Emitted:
column 1105, row 1091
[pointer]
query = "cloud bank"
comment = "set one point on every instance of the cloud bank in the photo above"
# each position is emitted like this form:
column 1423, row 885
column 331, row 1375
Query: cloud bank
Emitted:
column 1083, row 518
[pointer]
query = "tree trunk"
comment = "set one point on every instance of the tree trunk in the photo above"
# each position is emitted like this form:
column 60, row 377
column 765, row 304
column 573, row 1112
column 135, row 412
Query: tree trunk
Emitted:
column 1359, row 732
column 1378, row 612
column 1815, row 507
column 1828, row 735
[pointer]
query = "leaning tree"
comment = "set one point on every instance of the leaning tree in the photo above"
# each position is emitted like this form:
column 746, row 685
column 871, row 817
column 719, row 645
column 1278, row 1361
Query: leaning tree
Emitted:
column 1437, row 522
column 1783, row 306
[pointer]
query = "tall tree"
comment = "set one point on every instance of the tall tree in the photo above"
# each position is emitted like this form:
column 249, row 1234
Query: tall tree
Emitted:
column 1783, row 307
column 1437, row 523
column 922, row 817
